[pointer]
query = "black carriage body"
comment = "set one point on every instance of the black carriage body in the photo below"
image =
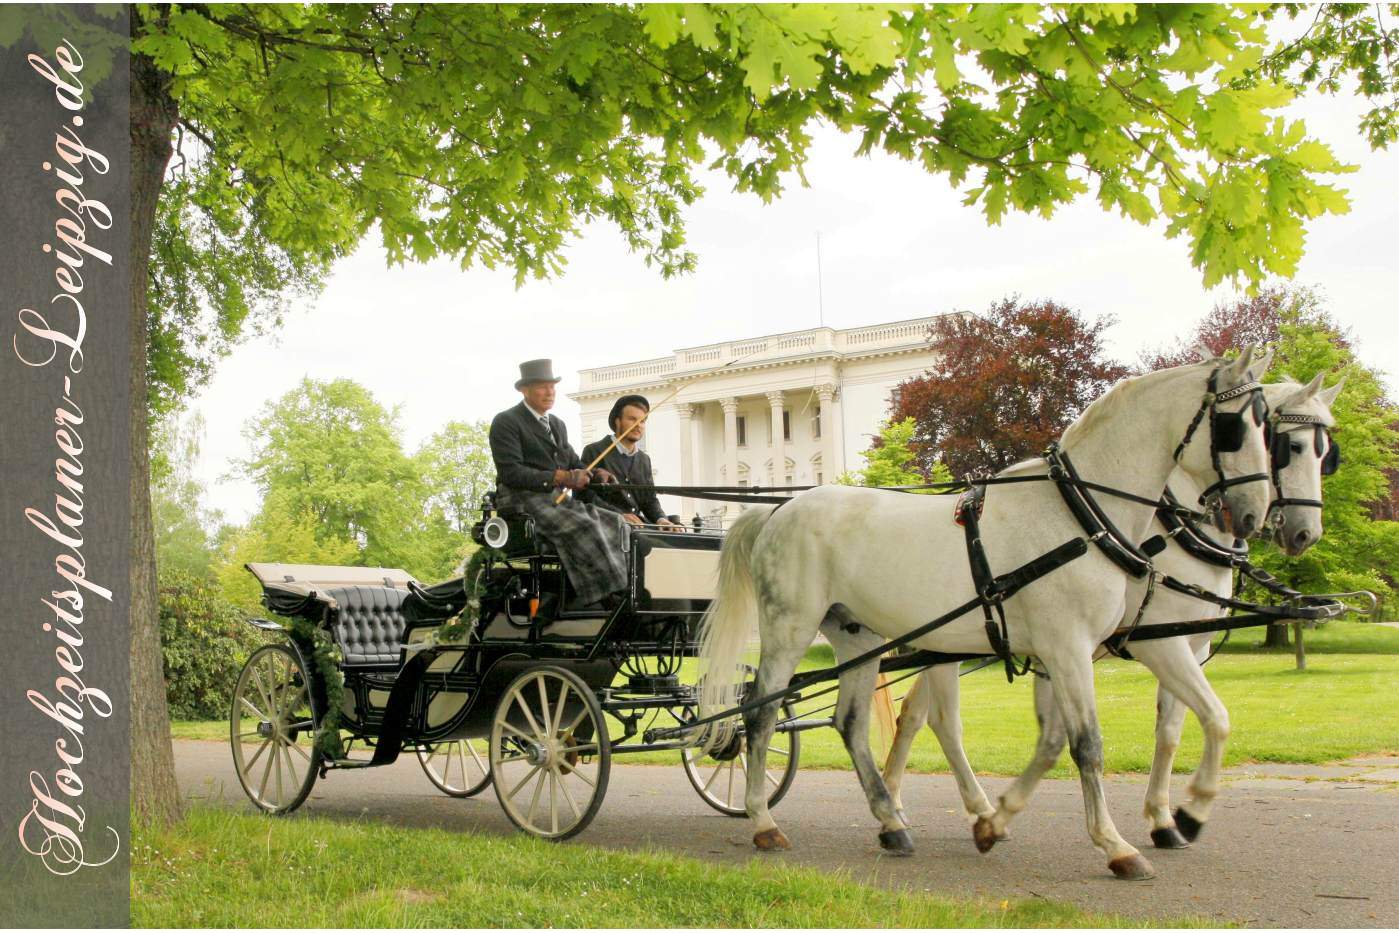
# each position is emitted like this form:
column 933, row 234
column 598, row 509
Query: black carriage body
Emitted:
column 400, row 690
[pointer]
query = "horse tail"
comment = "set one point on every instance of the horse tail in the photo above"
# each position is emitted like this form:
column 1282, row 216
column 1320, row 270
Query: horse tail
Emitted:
column 727, row 622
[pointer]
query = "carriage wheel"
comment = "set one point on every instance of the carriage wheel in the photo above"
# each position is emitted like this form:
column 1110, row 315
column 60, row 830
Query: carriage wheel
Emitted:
column 459, row 768
column 549, row 753
column 272, row 729
column 720, row 777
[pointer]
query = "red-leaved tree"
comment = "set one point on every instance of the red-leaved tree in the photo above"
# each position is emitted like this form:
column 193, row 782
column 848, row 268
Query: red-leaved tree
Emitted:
column 1248, row 319
column 1006, row 383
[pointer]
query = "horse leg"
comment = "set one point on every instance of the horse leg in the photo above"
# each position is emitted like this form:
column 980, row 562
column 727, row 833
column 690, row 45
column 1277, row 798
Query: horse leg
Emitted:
column 1071, row 676
column 1048, row 748
column 852, row 720
column 945, row 719
column 1175, row 665
column 1170, row 718
column 912, row 715
column 782, row 650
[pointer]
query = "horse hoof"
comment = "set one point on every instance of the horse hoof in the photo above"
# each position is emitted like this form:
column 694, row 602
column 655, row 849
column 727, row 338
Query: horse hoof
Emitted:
column 1168, row 837
column 984, row 834
column 1189, row 826
column 896, row 842
column 771, row 840
column 1132, row 868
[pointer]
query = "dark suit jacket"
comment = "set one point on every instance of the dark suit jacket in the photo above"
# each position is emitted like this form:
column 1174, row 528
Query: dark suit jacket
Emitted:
column 526, row 455
column 642, row 503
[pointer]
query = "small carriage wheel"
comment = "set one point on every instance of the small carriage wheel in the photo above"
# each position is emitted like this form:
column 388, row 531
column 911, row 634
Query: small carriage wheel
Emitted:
column 272, row 729
column 458, row 768
column 550, row 755
column 721, row 778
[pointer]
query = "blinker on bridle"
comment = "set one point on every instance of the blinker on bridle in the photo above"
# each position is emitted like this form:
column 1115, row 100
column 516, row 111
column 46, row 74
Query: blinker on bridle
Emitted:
column 1279, row 441
column 1227, row 433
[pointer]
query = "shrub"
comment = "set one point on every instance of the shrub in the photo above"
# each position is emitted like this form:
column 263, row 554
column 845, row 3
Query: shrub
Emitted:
column 204, row 642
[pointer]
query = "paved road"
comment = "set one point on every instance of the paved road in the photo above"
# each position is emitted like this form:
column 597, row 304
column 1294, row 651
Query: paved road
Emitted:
column 1294, row 846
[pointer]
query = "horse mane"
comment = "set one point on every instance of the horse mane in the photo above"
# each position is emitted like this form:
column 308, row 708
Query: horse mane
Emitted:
column 1109, row 404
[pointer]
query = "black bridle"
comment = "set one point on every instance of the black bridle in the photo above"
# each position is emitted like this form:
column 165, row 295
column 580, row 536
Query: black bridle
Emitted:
column 1227, row 434
column 1280, row 440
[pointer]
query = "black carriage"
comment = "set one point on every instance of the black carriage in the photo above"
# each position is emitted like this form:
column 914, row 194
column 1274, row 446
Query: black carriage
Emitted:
column 480, row 685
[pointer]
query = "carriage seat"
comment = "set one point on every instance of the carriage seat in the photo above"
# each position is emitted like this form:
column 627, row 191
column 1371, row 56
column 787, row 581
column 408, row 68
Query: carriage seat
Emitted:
column 368, row 624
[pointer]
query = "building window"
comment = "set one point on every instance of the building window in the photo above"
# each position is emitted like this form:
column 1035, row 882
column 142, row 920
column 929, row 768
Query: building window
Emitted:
column 742, row 425
column 819, row 478
column 816, row 424
column 786, row 425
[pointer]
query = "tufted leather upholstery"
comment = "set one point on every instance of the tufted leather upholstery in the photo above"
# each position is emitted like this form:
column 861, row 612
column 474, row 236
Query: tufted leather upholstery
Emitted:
column 369, row 624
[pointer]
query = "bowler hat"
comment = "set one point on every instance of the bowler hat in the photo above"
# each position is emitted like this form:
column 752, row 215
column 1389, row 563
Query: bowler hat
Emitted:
column 536, row 371
column 637, row 400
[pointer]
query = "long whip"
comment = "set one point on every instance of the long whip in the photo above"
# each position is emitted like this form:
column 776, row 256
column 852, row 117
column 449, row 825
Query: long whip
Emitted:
column 563, row 494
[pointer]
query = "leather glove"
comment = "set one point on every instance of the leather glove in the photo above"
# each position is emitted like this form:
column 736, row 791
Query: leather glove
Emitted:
column 602, row 476
column 578, row 479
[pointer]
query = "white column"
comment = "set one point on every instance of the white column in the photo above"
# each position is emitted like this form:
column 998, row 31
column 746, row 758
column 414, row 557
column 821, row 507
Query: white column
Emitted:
column 779, row 446
column 730, row 406
column 827, row 393
column 685, row 413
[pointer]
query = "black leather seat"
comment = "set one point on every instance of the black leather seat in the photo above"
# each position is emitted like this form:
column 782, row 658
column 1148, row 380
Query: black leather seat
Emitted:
column 369, row 624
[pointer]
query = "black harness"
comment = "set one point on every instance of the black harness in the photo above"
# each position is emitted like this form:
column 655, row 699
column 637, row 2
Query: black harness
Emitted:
column 1227, row 434
column 1280, row 440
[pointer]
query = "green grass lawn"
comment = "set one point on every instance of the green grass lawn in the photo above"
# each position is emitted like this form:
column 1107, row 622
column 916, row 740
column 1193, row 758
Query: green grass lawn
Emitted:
column 1340, row 707
column 223, row 869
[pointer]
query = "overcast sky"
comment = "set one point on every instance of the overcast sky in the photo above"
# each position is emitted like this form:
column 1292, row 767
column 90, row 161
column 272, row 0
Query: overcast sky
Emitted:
column 445, row 344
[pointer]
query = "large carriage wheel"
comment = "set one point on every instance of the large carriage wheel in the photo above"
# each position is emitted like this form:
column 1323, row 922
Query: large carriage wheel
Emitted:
column 720, row 776
column 272, row 728
column 459, row 768
column 550, row 755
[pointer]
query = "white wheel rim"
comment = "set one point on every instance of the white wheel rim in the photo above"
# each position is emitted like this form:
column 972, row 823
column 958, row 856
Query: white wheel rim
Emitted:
column 545, row 777
column 457, row 767
column 724, row 784
column 273, row 732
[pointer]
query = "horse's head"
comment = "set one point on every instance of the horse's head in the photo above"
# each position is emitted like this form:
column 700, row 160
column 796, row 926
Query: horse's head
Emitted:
column 1228, row 456
column 1302, row 451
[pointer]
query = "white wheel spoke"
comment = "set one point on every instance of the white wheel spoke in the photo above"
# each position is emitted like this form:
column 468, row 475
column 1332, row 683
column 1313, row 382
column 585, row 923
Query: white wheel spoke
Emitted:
column 523, row 781
column 568, row 730
column 534, row 801
column 266, row 773
column 300, row 751
column 553, row 801
column 563, row 699
column 248, row 767
column 509, row 728
column 710, row 783
column 544, row 712
column 584, row 778
column 480, row 765
column 277, row 758
column 729, row 794
column 257, row 713
column 774, row 750
column 771, row 780
column 524, row 707
column 563, row 786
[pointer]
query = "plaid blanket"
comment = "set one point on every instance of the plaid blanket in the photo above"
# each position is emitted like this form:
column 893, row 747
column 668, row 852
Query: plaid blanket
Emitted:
column 592, row 542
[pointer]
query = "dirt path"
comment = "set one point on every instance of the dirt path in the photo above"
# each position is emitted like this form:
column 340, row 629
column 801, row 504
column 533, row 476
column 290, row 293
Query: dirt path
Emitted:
column 1295, row 846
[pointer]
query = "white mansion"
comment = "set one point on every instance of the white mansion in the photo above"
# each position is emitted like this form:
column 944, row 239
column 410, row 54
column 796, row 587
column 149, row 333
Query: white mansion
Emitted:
column 795, row 408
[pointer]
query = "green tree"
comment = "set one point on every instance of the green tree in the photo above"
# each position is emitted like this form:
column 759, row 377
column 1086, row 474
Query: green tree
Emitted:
column 1357, row 551
column 330, row 450
column 891, row 460
column 204, row 640
column 183, row 524
column 268, row 139
column 456, row 466
column 277, row 534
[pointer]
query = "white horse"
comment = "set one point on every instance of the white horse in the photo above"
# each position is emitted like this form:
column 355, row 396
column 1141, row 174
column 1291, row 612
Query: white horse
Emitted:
column 1176, row 662
column 864, row 566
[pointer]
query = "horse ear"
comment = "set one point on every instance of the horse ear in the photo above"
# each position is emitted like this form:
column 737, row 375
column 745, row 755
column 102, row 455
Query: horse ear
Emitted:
column 1237, row 370
column 1259, row 367
column 1328, row 396
column 1312, row 388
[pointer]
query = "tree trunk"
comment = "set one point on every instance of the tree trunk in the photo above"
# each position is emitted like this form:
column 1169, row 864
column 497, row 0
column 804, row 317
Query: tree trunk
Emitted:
column 155, row 796
column 1275, row 636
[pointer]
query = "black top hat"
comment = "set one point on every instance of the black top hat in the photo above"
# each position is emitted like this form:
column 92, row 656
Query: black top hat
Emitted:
column 536, row 371
column 638, row 400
